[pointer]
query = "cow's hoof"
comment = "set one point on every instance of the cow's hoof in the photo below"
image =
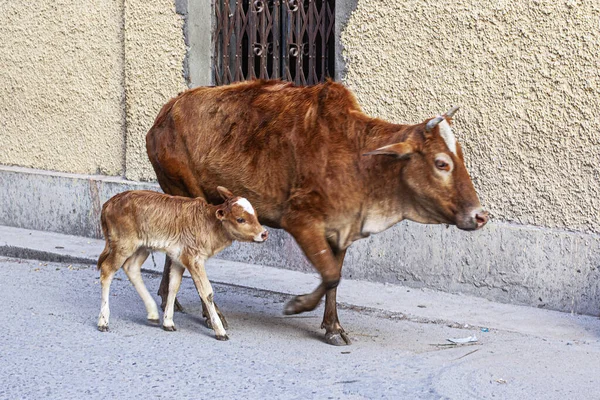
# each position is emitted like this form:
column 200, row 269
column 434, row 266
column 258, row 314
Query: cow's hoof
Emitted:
column 337, row 339
column 295, row 306
column 154, row 321
column 169, row 328
column 222, row 337
column 103, row 328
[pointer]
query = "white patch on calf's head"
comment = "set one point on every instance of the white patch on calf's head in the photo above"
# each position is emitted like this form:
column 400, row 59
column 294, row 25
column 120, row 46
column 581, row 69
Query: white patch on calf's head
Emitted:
column 245, row 204
column 448, row 136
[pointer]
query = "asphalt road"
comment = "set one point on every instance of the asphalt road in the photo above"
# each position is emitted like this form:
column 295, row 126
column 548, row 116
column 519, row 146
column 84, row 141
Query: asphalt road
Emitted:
column 50, row 348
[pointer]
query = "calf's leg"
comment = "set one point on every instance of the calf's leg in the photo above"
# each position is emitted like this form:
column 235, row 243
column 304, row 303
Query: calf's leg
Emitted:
column 133, row 267
column 175, row 275
column 163, row 292
column 196, row 268
column 206, row 316
column 108, row 267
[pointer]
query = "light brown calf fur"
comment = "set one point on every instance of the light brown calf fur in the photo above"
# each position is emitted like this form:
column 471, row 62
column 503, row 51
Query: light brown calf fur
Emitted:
column 188, row 230
column 314, row 164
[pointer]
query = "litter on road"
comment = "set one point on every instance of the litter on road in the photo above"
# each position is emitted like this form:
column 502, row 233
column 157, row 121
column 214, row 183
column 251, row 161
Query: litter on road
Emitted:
column 470, row 339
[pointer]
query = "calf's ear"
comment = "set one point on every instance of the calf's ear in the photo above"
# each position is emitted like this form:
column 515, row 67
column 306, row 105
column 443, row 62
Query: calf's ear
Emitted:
column 224, row 192
column 399, row 150
column 220, row 214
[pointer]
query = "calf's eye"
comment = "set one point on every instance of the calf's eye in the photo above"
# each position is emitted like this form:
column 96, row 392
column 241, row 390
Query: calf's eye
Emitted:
column 241, row 220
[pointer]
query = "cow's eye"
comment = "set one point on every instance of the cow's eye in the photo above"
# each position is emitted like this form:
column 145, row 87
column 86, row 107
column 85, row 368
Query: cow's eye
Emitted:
column 443, row 165
column 241, row 220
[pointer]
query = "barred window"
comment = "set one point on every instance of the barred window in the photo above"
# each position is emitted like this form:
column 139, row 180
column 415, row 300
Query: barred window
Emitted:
column 274, row 39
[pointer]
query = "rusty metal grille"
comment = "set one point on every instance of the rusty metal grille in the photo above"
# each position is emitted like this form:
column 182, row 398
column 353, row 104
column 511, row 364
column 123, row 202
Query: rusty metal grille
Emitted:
column 274, row 39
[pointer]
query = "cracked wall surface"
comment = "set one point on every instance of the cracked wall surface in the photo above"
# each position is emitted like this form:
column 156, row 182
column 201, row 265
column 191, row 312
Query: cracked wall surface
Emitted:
column 527, row 78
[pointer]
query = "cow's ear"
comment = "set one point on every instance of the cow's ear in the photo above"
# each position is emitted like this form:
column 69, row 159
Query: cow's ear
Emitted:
column 224, row 192
column 398, row 150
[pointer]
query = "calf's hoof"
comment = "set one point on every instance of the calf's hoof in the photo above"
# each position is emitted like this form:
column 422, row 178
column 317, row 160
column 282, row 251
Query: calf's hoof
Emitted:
column 169, row 328
column 154, row 321
column 337, row 339
column 222, row 337
column 103, row 328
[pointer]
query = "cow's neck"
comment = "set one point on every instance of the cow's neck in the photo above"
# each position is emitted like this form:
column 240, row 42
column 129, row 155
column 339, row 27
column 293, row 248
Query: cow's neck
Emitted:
column 387, row 200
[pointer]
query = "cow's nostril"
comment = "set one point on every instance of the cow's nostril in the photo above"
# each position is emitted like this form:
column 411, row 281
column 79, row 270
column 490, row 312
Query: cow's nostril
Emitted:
column 481, row 218
column 264, row 235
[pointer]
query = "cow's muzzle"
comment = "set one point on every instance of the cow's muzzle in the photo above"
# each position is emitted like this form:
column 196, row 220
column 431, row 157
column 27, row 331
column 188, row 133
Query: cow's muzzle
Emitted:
column 473, row 220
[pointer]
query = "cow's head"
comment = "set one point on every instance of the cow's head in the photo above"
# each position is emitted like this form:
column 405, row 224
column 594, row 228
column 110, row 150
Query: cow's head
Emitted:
column 239, row 218
column 434, row 176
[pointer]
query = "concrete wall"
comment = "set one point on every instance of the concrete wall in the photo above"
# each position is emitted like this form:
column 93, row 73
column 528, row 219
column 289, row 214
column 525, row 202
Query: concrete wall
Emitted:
column 82, row 82
column 527, row 78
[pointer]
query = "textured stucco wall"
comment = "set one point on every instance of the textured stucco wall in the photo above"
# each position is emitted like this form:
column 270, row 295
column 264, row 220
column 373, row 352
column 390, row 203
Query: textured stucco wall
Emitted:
column 527, row 76
column 154, row 53
column 81, row 82
column 61, row 85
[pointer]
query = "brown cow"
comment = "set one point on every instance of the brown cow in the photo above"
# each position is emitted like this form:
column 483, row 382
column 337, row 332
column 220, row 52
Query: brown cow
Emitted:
column 312, row 163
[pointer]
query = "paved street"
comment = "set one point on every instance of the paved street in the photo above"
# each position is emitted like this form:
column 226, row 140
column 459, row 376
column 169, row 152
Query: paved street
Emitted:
column 50, row 348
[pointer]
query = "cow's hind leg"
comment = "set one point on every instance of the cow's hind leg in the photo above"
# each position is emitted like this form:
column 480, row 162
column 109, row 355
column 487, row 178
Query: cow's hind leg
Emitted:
column 133, row 267
column 163, row 289
column 334, row 333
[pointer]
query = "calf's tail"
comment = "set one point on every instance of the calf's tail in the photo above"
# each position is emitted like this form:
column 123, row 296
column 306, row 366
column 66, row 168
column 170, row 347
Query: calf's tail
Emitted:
column 106, row 250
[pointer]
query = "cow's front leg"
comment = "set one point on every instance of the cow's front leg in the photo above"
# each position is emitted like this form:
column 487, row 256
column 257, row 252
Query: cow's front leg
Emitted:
column 311, row 238
column 334, row 333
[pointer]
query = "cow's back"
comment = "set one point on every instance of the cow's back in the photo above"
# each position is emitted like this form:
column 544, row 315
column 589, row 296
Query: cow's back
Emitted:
column 269, row 141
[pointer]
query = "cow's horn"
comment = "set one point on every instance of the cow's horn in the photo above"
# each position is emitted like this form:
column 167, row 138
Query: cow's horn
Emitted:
column 452, row 111
column 431, row 124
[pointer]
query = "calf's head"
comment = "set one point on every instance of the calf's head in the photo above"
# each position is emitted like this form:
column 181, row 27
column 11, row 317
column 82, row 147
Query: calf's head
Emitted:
column 434, row 177
column 239, row 218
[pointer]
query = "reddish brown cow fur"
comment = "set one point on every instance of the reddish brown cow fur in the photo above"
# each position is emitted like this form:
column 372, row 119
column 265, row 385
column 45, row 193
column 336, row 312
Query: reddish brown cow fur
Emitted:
column 299, row 154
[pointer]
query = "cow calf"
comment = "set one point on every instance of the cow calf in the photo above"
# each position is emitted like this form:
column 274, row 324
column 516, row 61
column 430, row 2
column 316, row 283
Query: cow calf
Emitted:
column 189, row 230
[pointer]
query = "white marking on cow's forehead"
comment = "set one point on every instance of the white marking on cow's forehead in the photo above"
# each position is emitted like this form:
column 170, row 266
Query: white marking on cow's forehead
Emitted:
column 245, row 204
column 448, row 135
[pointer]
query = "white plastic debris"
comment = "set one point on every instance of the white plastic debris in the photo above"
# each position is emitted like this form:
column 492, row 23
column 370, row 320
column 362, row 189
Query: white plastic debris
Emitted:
column 470, row 339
